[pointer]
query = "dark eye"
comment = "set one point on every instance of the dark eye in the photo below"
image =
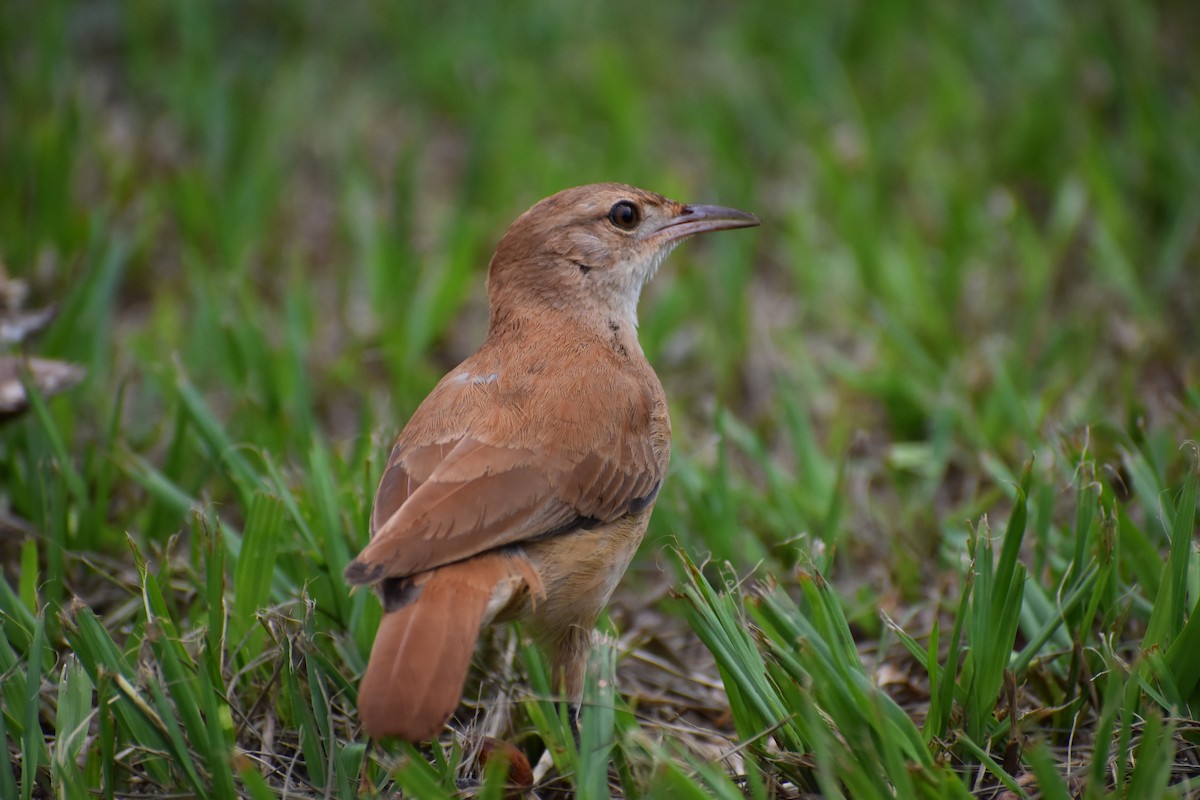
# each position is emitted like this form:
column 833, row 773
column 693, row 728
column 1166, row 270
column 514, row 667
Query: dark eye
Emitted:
column 625, row 215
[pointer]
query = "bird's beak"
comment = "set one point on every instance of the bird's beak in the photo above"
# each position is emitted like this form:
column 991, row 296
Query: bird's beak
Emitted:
column 701, row 219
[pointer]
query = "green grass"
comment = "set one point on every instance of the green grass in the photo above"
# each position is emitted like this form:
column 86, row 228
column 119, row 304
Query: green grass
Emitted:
column 932, row 505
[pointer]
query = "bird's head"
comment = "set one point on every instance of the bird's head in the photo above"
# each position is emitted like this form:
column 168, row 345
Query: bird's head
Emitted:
column 594, row 248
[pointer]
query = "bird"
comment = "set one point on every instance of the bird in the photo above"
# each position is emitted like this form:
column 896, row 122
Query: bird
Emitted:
column 521, row 487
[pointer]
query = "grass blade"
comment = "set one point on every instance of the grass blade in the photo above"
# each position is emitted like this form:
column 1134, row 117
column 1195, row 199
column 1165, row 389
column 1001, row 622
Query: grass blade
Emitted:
column 596, row 728
column 71, row 729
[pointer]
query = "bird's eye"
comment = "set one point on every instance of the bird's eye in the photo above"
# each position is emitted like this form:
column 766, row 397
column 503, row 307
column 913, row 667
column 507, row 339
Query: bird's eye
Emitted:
column 625, row 215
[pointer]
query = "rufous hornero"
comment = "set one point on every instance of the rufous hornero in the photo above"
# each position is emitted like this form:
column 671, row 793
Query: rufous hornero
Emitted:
column 522, row 485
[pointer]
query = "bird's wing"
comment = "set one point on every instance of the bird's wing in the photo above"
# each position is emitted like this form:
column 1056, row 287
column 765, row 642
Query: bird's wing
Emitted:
column 446, row 498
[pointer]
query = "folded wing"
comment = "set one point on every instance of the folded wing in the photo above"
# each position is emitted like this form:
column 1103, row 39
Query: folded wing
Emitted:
column 444, row 501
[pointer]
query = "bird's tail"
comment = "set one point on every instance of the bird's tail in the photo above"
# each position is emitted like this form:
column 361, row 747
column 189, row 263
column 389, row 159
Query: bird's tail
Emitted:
column 414, row 678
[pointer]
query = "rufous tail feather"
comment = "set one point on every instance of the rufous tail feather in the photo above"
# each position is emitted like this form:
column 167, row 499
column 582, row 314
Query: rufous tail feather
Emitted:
column 418, row 665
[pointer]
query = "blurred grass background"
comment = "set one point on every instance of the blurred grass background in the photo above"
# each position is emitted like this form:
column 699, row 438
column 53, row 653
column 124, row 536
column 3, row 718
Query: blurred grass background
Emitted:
column 266, row 225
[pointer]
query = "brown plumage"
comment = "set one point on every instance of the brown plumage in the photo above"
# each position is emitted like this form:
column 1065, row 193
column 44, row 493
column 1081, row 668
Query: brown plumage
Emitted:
column 522, row 485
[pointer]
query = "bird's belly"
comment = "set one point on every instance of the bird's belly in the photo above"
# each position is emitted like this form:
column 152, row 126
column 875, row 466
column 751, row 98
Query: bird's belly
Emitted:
column 579, row 571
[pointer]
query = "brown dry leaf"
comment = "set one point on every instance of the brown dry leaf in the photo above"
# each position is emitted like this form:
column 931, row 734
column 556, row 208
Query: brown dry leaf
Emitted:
column 48, row 376
column 520, row 773
column 17, row 326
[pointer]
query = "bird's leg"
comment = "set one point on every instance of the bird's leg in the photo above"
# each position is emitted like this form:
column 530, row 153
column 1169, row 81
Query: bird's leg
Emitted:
column 568, row 658
column 573, row 711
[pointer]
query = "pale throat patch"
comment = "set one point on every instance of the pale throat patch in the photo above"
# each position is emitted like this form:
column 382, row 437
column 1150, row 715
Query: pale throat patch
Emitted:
column 638, row 278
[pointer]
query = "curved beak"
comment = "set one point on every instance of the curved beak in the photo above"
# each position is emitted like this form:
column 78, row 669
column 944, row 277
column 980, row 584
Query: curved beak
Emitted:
column 701, row 219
